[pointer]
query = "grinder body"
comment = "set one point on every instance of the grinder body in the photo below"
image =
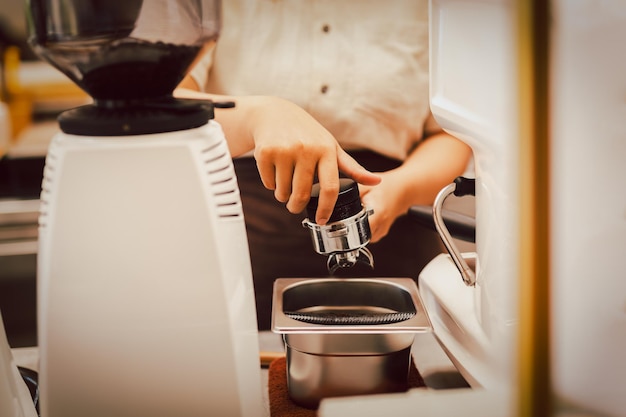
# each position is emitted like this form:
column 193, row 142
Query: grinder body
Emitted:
column 146, row 302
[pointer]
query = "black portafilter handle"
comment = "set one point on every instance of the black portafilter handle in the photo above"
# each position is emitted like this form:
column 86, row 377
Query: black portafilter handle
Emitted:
column 348, row 201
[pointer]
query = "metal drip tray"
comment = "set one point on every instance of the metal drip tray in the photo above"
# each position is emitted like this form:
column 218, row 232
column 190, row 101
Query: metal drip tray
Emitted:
column 346, row 336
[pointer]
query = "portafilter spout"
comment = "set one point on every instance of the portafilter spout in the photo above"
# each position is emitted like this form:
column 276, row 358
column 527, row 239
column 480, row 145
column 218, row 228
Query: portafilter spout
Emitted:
column 344, row 237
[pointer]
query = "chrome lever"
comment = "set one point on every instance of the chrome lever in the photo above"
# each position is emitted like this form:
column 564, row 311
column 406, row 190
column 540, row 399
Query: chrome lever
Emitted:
column 461, row 186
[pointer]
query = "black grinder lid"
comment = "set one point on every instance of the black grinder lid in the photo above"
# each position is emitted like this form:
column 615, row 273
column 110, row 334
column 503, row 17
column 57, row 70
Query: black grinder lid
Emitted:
column 156, row 116
column 348, row 201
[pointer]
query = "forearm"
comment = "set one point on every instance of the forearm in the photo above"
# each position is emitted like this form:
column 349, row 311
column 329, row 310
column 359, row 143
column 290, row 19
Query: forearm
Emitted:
column 290, row 147
column 430, row 167
column 240, row 135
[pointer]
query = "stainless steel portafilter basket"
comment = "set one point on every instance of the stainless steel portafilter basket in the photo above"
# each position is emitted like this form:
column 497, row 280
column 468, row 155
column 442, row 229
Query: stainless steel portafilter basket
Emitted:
column 344, row 237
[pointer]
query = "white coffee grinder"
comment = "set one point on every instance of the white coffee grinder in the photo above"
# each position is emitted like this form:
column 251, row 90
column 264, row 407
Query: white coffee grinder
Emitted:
column 145, row 295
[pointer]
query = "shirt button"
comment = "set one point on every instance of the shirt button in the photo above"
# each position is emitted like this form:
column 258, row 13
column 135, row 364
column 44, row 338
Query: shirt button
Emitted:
column 324, row 89
column 326, row 28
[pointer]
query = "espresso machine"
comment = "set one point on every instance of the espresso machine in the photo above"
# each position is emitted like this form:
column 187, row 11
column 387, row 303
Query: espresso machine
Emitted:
column 145, row 295
column 477, row 320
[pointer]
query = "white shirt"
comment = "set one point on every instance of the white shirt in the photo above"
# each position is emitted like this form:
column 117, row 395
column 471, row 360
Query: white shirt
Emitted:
column 360, row 67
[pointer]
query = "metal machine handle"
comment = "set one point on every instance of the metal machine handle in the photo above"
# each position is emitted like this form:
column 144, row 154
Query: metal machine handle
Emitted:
column 460, row 187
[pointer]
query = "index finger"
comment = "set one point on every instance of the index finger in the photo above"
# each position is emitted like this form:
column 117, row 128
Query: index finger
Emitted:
column 354, row 170
column 328, row 177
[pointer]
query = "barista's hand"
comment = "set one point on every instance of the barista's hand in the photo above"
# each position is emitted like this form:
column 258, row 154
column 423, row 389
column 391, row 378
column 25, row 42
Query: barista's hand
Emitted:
column 291, row 148
column 388, row 202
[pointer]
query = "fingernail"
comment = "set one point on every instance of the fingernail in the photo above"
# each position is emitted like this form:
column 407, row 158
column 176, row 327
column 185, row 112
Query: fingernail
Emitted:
column 322, row 221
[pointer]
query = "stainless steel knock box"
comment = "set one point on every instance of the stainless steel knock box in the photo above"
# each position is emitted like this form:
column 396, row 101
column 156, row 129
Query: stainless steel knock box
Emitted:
column 346, row 336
